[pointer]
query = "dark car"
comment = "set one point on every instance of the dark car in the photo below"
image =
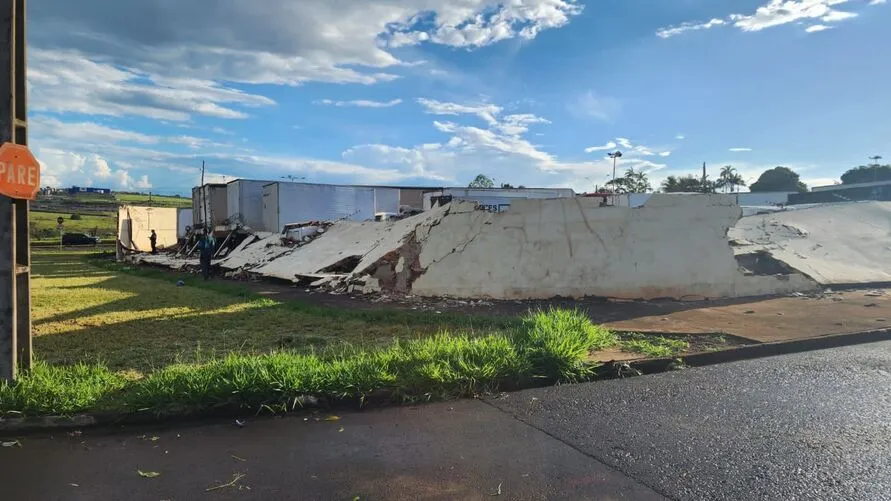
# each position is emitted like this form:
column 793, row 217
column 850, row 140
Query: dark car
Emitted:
column 79, row 239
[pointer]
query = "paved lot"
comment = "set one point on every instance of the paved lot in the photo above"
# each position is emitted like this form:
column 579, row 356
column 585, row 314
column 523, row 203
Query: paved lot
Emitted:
column 809, row 426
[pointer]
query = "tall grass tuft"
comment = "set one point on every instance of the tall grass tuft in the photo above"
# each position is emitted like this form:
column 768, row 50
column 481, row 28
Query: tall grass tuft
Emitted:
column 556, row 342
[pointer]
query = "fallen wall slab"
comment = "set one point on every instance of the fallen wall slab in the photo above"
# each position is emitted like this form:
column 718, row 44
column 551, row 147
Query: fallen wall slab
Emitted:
column 673, row 246
column 844, row 243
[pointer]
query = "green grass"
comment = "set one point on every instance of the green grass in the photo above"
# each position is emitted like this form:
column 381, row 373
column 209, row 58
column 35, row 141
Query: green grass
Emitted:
column 43, row 224
column 157, row 200
column 654, row 346
column 110, row 338
column 139, row 320
column 551, row 346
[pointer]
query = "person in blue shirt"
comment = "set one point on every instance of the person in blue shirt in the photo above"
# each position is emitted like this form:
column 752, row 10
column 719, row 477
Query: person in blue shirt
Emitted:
column 206, row 247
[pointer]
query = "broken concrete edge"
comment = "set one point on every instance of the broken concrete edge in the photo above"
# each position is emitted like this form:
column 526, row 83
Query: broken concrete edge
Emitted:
column 644, row 366
column 382, row 398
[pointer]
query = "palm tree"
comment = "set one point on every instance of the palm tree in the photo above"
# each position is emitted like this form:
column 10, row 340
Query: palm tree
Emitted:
column 730, row 179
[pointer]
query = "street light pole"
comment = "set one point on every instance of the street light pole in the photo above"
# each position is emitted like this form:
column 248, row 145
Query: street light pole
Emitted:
column 615, row 156
column 875, row 167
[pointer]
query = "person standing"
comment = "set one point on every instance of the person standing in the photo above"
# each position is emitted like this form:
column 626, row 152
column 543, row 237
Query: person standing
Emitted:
column 206, row 247
column 153, row 238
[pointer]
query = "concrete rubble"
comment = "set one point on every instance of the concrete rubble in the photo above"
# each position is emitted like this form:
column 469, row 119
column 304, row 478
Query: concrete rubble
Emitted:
column 674, row 246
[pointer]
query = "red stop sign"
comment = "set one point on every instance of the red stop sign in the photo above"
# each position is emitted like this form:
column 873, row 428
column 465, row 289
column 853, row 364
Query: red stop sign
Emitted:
column 19, row 172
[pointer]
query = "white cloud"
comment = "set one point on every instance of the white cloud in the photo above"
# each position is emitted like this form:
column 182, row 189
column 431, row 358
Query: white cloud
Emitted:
column 143, row 182
column 102, row 171
column 680, row 137
column 688, row 26
column 85, row 131
column 64, row 168
column 361, row 103
column 631, row 151
column 485, row 111
column 775, row 13
column 606, row 147
column 519, row 123
column 282, row 41
column 739, row 150
column 592, row 105
column 877, row 2
column 68, row 81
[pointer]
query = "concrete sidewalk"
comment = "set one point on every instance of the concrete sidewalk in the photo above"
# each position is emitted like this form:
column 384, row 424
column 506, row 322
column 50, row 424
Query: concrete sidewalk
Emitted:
column 458, row 450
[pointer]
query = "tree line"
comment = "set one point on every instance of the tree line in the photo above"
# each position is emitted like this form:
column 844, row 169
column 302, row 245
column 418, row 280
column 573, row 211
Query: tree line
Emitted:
column 729, row 180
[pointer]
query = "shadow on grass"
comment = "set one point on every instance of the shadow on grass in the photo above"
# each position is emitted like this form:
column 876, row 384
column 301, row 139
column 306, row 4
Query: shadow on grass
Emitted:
column 139, row 322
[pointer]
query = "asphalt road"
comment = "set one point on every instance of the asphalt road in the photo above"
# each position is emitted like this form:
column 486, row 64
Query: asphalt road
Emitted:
column 807, row 426
column 813, row 425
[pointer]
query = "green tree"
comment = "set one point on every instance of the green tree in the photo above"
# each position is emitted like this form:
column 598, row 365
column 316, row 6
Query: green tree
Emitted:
column 687, row 184
column 481, row 181
column 633, row 181
column 867, row 174
column 729, row 179
column 778, row 179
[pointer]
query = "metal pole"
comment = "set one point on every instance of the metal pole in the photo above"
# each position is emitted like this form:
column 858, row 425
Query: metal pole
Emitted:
column 204, row 199
column 614, row 171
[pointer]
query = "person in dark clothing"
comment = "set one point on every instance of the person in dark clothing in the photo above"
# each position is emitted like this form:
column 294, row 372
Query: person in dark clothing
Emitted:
column 206, row 246
column 153, row 238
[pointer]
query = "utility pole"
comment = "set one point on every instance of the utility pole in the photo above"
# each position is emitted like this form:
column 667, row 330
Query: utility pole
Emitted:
column 203, row 199
column 15, row 252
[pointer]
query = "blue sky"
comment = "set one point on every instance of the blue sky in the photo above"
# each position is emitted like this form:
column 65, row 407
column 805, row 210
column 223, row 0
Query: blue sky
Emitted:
column 423, row 92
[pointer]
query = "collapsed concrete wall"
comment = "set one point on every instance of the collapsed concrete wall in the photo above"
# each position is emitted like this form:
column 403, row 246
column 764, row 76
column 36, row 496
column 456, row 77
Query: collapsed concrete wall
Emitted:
column 846, row 243
column 350, row 248
column 674, row 246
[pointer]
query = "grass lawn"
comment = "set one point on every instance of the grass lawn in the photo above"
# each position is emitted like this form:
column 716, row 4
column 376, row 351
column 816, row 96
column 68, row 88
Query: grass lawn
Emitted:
column 109, row 338
column 88, row 313
column 157, row 200
column 45, row 223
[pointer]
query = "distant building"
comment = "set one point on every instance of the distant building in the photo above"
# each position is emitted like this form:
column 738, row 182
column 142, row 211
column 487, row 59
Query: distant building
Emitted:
column 491, row 199
column 82, row 189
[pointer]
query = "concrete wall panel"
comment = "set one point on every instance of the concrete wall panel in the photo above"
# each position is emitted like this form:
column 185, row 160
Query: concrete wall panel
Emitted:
column 674, row 246
column 135, row 224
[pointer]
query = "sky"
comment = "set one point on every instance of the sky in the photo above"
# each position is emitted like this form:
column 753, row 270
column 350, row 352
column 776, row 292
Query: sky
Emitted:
column 136, row 95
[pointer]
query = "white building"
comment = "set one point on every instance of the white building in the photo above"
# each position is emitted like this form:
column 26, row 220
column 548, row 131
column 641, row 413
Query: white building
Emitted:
column 285, row 203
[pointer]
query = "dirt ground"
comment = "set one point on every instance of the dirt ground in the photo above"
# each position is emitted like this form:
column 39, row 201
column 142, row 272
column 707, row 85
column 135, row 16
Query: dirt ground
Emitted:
column 757, row 319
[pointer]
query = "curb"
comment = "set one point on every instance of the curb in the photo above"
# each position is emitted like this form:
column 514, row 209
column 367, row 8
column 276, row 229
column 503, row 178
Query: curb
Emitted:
column 656, row 365
column 609, row 370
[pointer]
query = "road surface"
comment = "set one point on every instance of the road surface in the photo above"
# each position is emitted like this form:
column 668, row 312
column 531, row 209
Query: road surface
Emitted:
column 810, row 426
